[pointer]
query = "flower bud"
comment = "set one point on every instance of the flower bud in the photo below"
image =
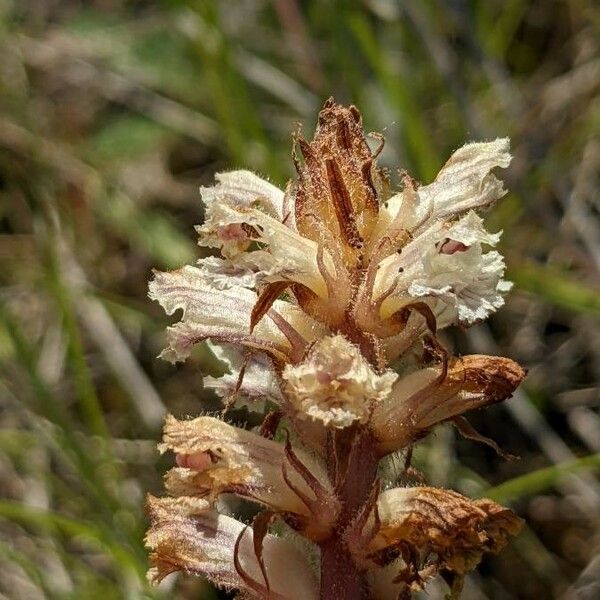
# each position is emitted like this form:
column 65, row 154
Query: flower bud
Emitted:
column 336, row 384
column 426, row 397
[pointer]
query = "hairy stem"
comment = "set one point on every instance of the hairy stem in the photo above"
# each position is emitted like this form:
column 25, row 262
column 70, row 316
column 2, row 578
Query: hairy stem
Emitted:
column 353, row 464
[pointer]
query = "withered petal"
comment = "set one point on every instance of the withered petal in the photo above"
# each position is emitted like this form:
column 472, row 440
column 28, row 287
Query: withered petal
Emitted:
column 419, row 401
column 336, row 181
column 441, row 522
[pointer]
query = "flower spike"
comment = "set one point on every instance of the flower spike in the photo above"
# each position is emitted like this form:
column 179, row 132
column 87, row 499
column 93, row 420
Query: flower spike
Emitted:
column 325, row 304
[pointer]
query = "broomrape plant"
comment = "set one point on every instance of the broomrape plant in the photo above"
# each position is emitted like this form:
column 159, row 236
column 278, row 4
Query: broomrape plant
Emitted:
column 324, row 303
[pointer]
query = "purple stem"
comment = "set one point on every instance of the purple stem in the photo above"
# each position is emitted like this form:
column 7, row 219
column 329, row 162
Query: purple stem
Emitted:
column 341, row 578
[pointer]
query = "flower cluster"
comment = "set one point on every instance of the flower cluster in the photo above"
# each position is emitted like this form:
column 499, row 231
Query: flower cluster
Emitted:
column 325, row 302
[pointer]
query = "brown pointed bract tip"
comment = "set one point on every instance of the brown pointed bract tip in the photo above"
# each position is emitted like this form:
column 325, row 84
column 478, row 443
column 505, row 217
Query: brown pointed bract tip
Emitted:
column 336, row 182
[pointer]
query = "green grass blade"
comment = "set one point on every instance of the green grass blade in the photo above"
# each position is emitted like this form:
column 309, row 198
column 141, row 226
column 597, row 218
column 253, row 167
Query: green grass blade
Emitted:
column 82, row 460
column 417, row 136
column 50, row 521
column 540, row 480
column 90, row 404
column 556, row 287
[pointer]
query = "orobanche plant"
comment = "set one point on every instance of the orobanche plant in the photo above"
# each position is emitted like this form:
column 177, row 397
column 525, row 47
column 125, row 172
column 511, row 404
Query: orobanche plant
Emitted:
column 325, row 303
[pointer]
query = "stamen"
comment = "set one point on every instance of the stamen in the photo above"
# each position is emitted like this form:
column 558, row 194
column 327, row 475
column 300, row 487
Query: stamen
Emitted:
column 246, row 578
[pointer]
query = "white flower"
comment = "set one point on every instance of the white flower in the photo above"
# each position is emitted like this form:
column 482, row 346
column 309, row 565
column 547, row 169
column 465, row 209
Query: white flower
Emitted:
column 431, row 395
column 224, row 316
column 287, row 256
column 215, row 457
column 466, row 181
column 243, row 188
column 456, row 272
column 446, row 266
column 185, row 534
column 335, row 384
column 251, row 380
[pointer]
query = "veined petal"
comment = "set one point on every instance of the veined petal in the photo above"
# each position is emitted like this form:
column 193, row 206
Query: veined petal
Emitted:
column 434, row 521
column 215, row 458
column 186, row 535
column 244, row 188
column 398, row 219
column 395, row 273
column 465, row 280
column 287, row 255
column 336, row 384
column 224, row 316
column 446, row 267
column 223, row 274
column 420, row 400
column 258, row 384
column 468, row 300
column 465, row 182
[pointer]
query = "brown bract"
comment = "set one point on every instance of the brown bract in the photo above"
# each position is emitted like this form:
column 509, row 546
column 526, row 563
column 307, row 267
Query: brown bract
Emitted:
column 336, row 181
column 337, row 198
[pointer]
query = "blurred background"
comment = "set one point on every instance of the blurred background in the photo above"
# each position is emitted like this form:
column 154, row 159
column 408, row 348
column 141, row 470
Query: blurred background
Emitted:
column 113, row 113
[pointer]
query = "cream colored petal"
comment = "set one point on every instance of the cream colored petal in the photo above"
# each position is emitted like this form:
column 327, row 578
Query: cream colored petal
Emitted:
column 244, row 188
column 396, row 272
column 383, row 583
column 224, row 274
column 335, row 384
column 465, row 182
column 242, row 462
column 419, row 401
column 469, row 230
column 466, row 300
column 185, row 535
column 288, row 255
column 447, row 268
column 444, row 523
column 466, row 282
column 222, row 315
column 259, row 383
column 399, row 218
